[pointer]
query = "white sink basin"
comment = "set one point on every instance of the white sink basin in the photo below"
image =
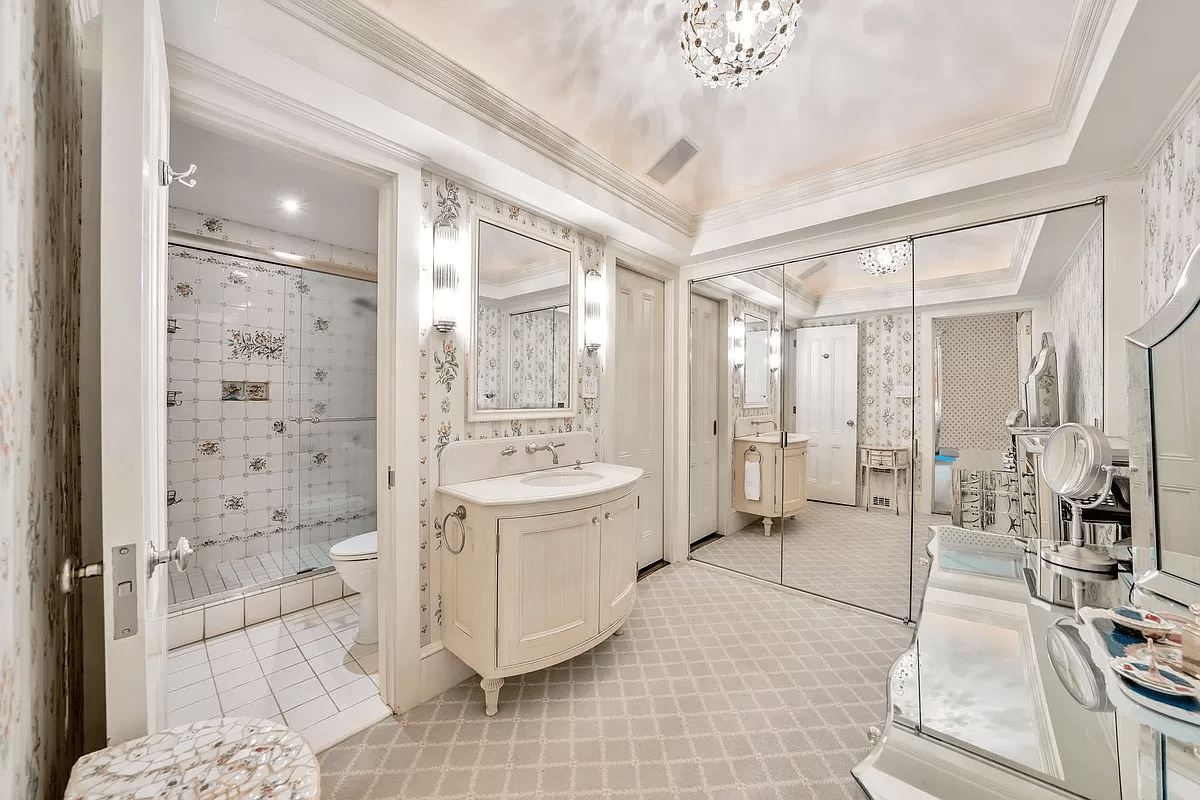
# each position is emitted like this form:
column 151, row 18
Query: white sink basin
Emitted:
column 559, row 479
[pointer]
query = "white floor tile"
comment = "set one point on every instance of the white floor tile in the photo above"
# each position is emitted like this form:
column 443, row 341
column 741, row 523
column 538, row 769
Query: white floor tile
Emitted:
column 302, row 692
column 207, row 708
column 265, row 707
column 354, row 693
column 186, row 677
column 339, row 676
column 270, row 647
column 281, row 660
column 316, row 647
column 369, row 663
column 265, row 631
column 229, row 643
column 307, row 635
column 239, row 676
column 343, row 724
column 231, row 661
column 185, row 657
column 262, row 606
column 331, row 660
column 246, row 693
column 289, row 676
column 186, row 695
column 310, row 713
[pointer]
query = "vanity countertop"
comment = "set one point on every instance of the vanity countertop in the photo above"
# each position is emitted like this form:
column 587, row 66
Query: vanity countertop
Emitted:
column 772, row 437
column 549, row 485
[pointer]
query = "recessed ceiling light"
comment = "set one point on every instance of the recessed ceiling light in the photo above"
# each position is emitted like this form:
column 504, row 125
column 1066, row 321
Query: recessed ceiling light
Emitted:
column 290, row 204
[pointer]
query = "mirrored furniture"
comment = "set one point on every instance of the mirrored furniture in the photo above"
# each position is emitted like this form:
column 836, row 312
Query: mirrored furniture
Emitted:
column 524, row 321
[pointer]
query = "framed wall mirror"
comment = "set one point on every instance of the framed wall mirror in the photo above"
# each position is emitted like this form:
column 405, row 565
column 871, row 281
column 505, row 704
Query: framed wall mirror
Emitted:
column 1165, row 442
column 523, row 323
column 756, row 373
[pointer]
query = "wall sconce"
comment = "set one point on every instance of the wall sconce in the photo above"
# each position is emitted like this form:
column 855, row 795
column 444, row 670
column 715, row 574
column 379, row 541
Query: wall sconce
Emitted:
column 447, row 251
column 737, row 343
column 773, row 355
column 593, row 310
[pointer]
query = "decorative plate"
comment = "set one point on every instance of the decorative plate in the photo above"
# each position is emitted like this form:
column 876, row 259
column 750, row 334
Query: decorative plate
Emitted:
column 1165, row 653
column 1138, row 620
column 1168, row 681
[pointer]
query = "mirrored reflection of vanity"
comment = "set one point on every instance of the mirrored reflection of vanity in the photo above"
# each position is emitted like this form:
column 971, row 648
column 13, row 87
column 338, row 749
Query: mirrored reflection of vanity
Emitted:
column 774, row 486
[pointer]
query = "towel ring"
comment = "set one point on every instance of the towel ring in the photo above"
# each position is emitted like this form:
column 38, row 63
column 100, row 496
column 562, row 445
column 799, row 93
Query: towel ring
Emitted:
column 460, row 514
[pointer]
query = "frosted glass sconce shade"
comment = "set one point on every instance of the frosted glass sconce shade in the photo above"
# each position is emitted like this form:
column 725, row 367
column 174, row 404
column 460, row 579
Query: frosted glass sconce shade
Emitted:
column 593, row 310
column 447, row 260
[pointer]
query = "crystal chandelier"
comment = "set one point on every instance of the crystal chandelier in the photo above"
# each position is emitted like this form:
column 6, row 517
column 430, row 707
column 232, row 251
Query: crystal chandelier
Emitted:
column 732, row 42
column 886, row 259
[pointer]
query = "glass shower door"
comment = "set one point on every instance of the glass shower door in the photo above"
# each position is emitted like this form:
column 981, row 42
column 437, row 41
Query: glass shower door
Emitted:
column 333, row 386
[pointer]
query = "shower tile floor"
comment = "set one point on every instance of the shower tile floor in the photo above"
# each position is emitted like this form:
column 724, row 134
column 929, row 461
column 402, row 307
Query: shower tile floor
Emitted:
column 842, row 552
column 197, row 583
column 720, row 688
column 303, row 669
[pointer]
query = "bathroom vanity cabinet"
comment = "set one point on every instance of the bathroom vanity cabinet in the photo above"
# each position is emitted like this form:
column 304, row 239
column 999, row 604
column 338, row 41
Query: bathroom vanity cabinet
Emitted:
column 542, row 577
column 783, row 476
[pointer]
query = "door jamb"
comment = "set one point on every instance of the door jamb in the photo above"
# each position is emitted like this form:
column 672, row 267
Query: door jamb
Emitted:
column 237, row 108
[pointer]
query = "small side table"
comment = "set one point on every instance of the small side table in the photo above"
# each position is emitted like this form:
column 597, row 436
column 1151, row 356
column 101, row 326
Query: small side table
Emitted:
column 890, row 459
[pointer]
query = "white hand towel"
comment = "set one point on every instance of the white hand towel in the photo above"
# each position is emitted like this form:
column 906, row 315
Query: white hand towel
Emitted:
column 753, row 479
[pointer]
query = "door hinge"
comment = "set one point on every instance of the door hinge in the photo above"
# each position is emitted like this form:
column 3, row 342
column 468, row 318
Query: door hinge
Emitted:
column 639, row 505
column 714, row 427
column 391, row 478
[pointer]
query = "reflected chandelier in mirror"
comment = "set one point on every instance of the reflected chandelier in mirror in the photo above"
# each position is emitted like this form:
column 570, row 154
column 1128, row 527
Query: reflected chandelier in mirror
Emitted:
column 1164, row 403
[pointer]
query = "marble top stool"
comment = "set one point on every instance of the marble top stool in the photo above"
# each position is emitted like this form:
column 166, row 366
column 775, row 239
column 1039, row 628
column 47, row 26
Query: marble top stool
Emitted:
column 218, row 759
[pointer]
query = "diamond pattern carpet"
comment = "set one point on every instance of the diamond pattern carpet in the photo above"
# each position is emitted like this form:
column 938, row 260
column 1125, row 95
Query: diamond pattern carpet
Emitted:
column 720, row 688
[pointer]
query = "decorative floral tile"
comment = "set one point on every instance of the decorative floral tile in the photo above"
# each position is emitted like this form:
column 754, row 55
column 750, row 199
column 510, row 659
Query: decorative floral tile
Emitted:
column 208, row 448
column 256, row 344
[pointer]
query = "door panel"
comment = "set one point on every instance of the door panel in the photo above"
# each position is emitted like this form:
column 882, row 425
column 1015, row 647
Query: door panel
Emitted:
column 135, row 118
column 827, row 410
column 641, row 385
column 705, row 395
column 619, row 543
column 544, row 607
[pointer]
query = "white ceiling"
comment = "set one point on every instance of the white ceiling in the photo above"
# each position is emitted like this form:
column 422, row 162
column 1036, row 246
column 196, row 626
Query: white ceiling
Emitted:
column 246, row 183
column 866, row 78
column 1021, row 258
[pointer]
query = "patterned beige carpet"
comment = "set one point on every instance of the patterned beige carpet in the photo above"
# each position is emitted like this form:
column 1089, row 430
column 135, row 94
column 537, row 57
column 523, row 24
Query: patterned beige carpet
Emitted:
column 720, row 688
column 840, row 552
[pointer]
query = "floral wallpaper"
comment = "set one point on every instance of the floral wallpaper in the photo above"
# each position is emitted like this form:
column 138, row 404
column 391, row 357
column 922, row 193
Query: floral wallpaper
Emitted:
column 889, row 351
column 490, row 361
column 1171, row 210
column 1077, row 321
column 980, row 380
column 539, row 352
column 443, row 393
column 40, row 206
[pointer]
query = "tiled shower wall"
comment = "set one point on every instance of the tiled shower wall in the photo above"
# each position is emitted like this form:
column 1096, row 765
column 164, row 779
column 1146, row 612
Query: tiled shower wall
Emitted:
column 257, row 347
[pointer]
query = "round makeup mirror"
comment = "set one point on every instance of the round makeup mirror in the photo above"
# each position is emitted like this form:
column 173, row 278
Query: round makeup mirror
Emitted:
column 1077, row 464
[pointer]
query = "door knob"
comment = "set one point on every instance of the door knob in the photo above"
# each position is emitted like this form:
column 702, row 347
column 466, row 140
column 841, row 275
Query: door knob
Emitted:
column 849, row 423
column 70, row 573
column 608, row 515
column 181, row 554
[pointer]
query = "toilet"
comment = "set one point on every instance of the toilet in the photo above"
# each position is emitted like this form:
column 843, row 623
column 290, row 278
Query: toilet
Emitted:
column 357, row 561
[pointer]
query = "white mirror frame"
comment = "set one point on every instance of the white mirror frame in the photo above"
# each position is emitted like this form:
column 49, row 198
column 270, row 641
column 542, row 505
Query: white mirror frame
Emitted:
column 479, row 215
column 745, row 370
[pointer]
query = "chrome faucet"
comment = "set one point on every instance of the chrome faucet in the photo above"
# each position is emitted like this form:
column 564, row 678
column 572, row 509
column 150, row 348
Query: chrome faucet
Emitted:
column 532, row 448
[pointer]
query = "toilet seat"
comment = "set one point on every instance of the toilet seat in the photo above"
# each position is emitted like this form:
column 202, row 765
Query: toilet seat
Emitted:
column 357, row 548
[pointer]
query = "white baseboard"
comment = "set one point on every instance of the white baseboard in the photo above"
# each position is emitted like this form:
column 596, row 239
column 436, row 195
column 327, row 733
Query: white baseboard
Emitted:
column 440, row 670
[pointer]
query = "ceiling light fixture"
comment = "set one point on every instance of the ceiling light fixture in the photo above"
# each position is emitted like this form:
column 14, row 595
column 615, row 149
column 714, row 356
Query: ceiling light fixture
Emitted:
column 733, row 42
column 886, row 259
column 290, row 204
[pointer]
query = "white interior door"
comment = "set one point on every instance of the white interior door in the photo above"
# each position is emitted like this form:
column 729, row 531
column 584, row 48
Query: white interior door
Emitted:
column 706, row 393
column 641, row 385
column 135, row 119
column 827, row 410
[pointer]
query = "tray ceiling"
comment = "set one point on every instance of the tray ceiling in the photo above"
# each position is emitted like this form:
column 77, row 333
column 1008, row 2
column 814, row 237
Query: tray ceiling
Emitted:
column 866, row 79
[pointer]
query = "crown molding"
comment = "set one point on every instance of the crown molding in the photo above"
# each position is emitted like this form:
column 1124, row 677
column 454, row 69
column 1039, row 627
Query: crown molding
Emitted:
column 1169, row 125
column 1088, row 25
column 276, row 124
column 379, row 39
column 1028, row 232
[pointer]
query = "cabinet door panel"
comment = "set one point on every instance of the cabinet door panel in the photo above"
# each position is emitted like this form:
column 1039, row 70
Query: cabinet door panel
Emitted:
column 547, row 584
column 618, row 558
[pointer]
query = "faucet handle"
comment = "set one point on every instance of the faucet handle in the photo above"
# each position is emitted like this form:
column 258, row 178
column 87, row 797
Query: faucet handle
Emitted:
column 508, row 451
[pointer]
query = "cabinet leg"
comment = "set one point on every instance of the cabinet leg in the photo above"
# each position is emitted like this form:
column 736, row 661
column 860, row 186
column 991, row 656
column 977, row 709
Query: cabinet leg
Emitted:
column 491, row 695
column 766, row 526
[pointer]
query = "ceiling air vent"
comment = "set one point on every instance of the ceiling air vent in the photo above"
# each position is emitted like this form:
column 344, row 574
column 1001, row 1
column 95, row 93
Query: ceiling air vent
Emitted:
column 669, row 165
